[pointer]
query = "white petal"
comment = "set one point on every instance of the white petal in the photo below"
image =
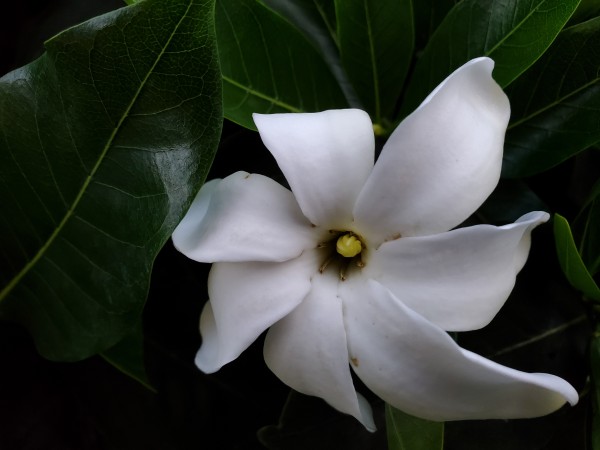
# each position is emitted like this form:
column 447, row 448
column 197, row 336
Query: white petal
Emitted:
column 441, row 162
column 459, row 279
column 416, row 367
column 244, row 217
column 325, row 157
column 245, row 300
column 307, row 350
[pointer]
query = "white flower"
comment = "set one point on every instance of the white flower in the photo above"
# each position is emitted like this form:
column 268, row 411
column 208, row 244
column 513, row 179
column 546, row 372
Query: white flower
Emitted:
column 383, row 301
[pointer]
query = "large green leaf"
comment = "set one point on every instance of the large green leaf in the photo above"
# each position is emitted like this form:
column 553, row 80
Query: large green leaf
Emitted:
column 556, row 104
column 104, row 140
column 376, row 39
column 406, row 432
column 514, row 33
column 570, row 260
column 268, row 66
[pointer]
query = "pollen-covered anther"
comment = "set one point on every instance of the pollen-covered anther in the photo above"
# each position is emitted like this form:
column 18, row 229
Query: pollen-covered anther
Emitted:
column 348, row 245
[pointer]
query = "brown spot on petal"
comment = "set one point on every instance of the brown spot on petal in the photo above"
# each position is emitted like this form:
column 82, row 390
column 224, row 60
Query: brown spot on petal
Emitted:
column 393, row 237
column 354, row 362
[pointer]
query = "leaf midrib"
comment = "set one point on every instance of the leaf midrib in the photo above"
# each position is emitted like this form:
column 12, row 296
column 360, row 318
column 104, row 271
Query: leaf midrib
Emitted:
column 260, row 95
column 44, row 248
column 552, row 104
column 515, row 28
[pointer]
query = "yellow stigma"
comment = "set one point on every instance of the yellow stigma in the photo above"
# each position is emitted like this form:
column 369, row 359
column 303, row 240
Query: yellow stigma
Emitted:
column 348, row 245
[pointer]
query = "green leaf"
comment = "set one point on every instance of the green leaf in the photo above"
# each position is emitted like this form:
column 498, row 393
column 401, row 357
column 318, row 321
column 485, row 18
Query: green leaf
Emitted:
column 405, row 432
column 315, row 19
column 513, row 33
column 104, row 141
column 570, row 260
column 555, row 105
column 376, row 40
column 128, row 356
column 268, row 66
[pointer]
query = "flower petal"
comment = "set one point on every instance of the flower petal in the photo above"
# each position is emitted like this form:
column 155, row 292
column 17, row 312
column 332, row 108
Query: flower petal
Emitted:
column 245, row 300
column 307, row 350
column 441, row 162
column 243, row 217
column 416, row 367
column 460, row 279
column 326, row 157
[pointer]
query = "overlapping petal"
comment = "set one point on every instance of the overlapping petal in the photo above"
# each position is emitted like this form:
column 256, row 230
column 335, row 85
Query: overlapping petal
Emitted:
column 416, row 367
column 458, row 280
column 243, row 217
column 441, row 162
column 307, row 350
column 326, row 158
column 245, row 300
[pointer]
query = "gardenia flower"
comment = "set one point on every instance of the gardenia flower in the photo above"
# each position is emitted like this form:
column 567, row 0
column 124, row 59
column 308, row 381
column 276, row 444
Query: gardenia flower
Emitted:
column 355, row 267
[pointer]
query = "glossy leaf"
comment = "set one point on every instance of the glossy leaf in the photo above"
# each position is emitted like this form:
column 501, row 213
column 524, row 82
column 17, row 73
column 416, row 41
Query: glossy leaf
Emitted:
column 513, row 33
column 376, row 39
column 556, row 104
column 315, row 19
column 104, row 140
column 406, row 432
column 570, row 260
column 268, row 66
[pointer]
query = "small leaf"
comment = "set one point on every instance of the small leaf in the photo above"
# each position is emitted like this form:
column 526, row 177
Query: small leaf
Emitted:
column 555, row 105
column 406, row 432
column 104, row 141
column 128, row 356
column 570, row 260
column 513, row 33
column 376, row 39
column 268, row 66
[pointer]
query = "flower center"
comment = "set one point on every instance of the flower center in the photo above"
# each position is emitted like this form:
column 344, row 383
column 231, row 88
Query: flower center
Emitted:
column 348, row 245
column 344, row 251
